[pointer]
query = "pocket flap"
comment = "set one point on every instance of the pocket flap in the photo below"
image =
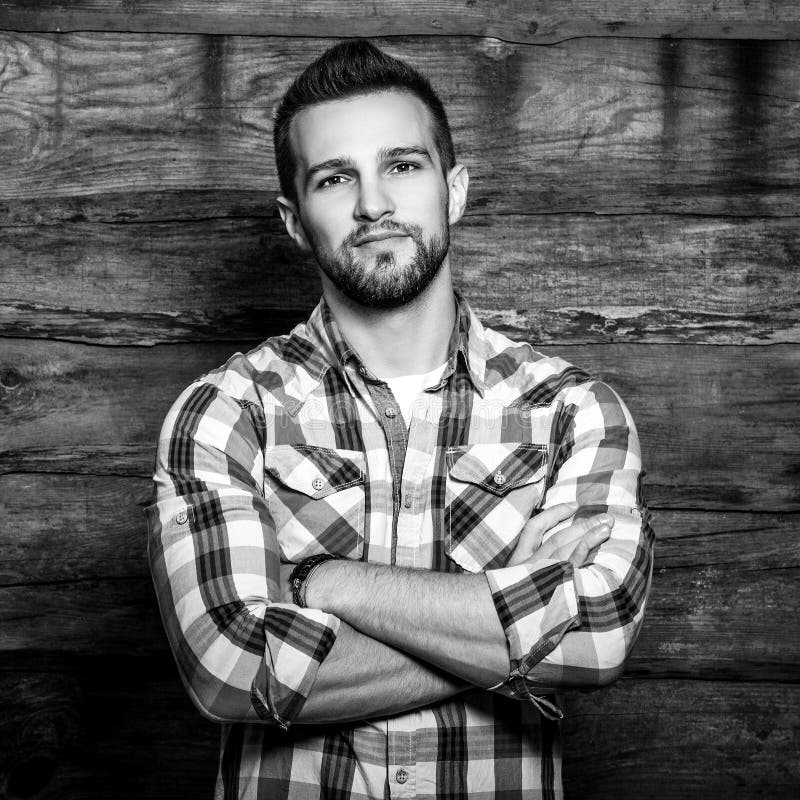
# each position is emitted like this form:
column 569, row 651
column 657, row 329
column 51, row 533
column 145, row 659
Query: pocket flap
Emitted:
column 498, row 468
column 315, row 471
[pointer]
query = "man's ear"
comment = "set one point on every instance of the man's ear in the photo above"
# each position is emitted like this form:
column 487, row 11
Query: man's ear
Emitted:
column 457, row 186
column 291, row 219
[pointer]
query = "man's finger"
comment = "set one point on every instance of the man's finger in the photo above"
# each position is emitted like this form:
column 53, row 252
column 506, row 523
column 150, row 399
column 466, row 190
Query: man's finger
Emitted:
column 550, row 517
column 562, row 539
column 530, row 540
column 568, row 535
column 592, row 539
column 579, row 554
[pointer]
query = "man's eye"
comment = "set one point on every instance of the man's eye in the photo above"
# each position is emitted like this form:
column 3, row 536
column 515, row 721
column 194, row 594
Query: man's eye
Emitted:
column 333, row 180
column 404, row 167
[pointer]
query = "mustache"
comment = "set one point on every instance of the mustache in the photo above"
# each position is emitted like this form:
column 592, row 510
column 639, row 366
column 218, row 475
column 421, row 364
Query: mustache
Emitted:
column 389, row 226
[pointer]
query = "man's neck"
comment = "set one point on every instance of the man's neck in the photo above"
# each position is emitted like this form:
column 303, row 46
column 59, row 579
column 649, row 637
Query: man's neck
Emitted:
column 409, row 340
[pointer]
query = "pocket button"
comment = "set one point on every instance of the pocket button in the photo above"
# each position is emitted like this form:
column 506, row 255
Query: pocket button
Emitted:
column 498, row 478
column 317, row 483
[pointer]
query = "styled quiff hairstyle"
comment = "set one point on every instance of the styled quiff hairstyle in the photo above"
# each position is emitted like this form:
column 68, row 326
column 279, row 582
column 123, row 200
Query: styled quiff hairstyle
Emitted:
column 348, row 69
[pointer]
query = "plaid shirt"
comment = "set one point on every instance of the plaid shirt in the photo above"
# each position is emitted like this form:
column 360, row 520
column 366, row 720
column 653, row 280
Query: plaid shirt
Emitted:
column 294, row 449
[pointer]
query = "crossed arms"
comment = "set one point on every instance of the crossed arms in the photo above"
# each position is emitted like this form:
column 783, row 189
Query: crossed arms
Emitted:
column 411, row 637
column 377, row 640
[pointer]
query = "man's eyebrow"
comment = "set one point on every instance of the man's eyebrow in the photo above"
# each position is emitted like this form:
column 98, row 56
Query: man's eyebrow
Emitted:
column 389, row 153
column 331, row 164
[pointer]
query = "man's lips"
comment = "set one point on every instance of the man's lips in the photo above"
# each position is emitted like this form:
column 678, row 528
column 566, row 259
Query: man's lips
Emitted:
column 378, row 236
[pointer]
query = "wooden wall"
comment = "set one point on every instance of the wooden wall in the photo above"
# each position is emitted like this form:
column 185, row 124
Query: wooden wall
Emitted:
column 634, row 208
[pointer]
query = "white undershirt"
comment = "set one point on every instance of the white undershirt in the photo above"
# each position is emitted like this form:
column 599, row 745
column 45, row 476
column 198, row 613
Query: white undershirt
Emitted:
column 407, row 388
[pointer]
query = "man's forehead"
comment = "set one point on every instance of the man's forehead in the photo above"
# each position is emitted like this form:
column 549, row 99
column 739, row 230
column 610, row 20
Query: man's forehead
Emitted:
column 356, row 125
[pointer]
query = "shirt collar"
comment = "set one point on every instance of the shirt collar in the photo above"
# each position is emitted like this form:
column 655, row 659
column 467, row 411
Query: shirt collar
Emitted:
column 468, row 346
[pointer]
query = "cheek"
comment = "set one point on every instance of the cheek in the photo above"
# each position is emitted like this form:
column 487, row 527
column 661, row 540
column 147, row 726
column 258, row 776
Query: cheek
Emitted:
column 426, row 202
column 327, row 226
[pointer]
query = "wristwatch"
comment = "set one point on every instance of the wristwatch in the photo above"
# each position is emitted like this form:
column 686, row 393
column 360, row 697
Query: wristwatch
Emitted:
column 302, row 572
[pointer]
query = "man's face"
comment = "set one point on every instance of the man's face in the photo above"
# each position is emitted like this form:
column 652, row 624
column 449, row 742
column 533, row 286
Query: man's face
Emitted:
column 372, row 201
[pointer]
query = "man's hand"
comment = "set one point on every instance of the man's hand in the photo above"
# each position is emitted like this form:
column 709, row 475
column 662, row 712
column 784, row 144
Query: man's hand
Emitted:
column 575, row 543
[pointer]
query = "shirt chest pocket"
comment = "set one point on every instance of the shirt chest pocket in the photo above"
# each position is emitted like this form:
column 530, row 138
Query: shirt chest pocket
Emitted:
column 316, row 498
column 492, row 490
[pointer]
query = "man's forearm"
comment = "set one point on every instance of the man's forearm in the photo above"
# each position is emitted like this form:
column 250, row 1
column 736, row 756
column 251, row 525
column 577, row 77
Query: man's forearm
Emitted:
column 448, row 620
column 362, row 678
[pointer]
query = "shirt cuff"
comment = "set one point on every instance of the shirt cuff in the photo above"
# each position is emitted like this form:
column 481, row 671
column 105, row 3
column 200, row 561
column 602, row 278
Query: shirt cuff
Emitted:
column 536, row 604
column 298, row 640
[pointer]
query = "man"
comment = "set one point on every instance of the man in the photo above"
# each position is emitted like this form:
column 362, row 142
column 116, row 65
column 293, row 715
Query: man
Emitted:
column 382, row 542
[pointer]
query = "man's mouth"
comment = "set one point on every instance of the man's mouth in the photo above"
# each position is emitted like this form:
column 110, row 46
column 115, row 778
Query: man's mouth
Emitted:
column 378, row 236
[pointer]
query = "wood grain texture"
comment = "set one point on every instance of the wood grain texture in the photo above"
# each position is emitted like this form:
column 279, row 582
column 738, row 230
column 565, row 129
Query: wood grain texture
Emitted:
column 63, row 528
column 718, row 426
column 117, row 729
column 74, row 737
column 74, row 584
column 670, row 740
column 554, row 278
column 631, row 199
column 516, row 20
column 95, row 126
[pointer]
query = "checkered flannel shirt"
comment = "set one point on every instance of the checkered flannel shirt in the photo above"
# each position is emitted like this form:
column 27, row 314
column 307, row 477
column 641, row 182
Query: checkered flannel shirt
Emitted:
column 289, row 450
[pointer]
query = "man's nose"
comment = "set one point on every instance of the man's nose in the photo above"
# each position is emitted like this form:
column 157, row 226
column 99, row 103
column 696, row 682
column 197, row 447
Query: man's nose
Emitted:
column 374, row 201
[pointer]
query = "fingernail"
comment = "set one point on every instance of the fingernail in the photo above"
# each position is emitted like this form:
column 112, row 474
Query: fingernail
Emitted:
column 604, row 529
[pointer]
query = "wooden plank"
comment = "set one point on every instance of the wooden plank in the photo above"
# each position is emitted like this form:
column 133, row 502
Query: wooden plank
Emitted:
column 65, row 737
column 61, row 403
column 513, row 20
column 719, row 426
column 118, row 729
column 708, row 420
column 561, row 278
column 669, row 740
column 710, row 622
column 705, row 418
column 64, row 623
column 95, row 128
column 63, row 528
column 72, row 556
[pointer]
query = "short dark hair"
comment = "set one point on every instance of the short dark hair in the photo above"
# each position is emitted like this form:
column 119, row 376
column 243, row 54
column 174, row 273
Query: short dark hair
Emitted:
column 348, row 69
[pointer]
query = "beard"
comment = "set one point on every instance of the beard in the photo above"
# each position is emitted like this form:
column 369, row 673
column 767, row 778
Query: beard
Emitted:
column 386, row 285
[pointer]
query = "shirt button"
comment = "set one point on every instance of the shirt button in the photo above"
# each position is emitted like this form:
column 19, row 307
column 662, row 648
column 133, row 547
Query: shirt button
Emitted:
column 181, row 517
column 390, row 412
column 317, row 483
column 499, row 478
column 362, row 370
column 408, row 502
column 401, row 776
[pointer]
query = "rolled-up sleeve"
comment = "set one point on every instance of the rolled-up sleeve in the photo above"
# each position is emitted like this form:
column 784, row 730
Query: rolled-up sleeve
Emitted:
column 214, row 557
column 575, row 627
